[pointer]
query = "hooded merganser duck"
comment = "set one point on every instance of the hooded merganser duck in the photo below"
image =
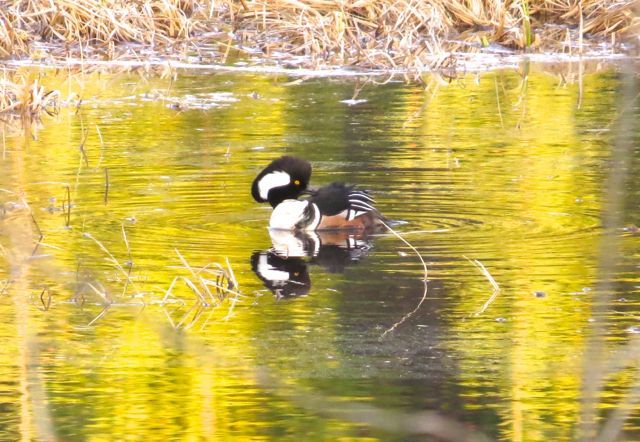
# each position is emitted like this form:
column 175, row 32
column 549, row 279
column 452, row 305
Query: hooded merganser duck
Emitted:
column 285, row 277
column 284, row 268
column 315, row 245
column 337, row 206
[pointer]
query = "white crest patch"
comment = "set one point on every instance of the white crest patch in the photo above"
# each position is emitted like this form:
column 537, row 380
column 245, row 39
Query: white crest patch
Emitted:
column 272, row 180
column 267, row 271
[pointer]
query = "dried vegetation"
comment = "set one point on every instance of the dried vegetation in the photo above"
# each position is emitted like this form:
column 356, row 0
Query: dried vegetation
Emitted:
column 22, row 100
column 381, row 33
column 27, row 97
column 411, row 35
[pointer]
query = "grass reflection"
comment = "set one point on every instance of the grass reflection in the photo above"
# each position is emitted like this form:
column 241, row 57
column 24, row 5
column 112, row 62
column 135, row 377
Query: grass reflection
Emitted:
column 504, row 168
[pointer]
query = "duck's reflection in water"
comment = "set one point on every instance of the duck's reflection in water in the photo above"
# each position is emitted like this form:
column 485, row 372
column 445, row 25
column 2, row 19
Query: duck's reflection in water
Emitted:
column 284, row 267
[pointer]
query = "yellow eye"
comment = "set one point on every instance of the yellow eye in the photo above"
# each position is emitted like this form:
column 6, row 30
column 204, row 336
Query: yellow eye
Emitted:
column 296, row 182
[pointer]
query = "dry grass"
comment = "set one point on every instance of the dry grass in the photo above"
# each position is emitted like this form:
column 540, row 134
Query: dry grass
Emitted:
column 98, row 22
column 414, row 35
column 409, row 33
column 367, row 33
column 224, row 283
column 26, row 97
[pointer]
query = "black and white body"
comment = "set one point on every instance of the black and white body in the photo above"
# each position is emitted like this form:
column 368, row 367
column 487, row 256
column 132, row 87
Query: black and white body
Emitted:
column 283, row 268
column 337, row 206
column 285, row 277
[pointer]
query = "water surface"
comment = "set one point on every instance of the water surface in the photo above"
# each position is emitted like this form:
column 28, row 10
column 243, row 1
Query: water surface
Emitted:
column 508, row 168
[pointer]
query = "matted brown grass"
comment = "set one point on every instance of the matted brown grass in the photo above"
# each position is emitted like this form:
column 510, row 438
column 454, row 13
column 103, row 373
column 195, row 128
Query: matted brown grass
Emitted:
column 25, row 98
column 408, row 34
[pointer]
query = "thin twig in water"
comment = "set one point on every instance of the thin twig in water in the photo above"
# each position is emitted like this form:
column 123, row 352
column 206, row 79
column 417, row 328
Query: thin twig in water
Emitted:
column 233, row 279
column 68, row 220
column 209, row 282
column 100, row 315
column 106, row 185
column 495, row 82
column 112, row 258
column 66, row 203
column 231, row 307
column 40, row 234
column 173, row 325
column 169, row 290
column 206, row 321
column 492, row 281
column 203, row 294
column 195, row 275
column 104, row 296
column 81, row 147
column 485, row 272
column 33, row 218
column 45, row 304
column 424, row 293
column 408, row 315
column 35, row 223
column 129, row 262
column 424, row 264
column 126, row 242
column 486, row 305
column 186, row 315
column 101, row 147
column 195, row 290
column 195, row 317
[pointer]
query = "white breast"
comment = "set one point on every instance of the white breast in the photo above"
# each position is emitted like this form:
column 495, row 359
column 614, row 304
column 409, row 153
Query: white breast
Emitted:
column 287, row 214
column 288, row 244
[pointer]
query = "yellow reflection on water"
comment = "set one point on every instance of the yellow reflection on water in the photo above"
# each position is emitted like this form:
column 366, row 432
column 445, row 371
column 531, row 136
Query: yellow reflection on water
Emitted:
column 505, row 169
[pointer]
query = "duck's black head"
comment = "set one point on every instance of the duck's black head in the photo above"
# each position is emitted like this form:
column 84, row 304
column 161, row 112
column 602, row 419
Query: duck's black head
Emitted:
column 285, row 277
column 285, row 178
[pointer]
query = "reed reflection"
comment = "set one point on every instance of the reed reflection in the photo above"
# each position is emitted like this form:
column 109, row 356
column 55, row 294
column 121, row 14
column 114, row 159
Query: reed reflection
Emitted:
column 284, row 268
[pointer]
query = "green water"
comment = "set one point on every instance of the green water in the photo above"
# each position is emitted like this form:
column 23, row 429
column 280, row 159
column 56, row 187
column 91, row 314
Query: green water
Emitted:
column 508, row 170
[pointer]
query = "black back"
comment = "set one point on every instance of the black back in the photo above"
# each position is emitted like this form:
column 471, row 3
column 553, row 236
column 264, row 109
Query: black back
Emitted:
column 338, row 197
column 298, row 169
